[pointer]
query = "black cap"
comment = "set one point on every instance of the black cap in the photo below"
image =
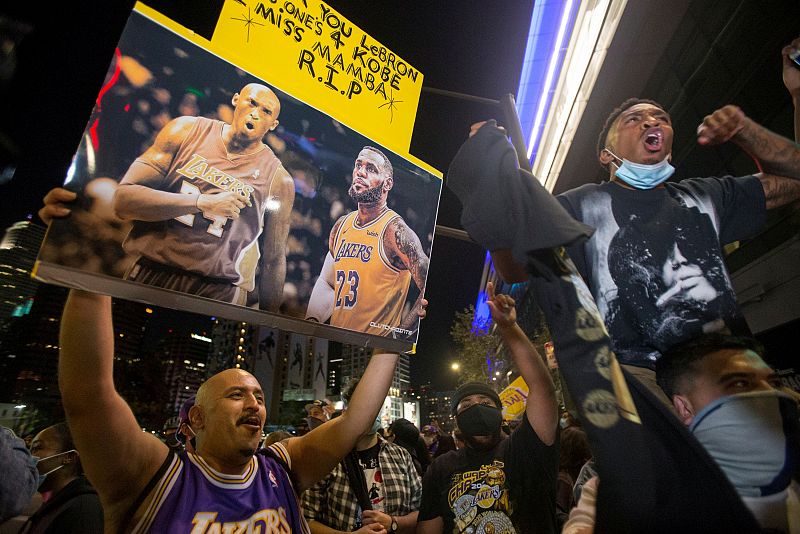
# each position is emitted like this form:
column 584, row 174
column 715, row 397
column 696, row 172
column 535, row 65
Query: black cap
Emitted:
column 474, row 388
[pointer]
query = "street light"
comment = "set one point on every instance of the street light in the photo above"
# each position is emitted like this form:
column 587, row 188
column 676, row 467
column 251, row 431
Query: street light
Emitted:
column 455, row 366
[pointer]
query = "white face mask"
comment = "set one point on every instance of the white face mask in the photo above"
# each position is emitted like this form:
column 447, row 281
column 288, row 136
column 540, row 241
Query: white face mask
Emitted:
column 43, row 476
column 753, row 438
column 376, row 425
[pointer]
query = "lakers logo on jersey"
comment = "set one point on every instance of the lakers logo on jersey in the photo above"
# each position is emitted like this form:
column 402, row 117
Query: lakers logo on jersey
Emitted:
column 270, row 520
column 197, row 168
column 354, row 250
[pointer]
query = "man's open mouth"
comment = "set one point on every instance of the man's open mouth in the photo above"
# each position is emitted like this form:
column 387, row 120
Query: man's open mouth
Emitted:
column 654, row 140
column 251, row 420
column 249, row 125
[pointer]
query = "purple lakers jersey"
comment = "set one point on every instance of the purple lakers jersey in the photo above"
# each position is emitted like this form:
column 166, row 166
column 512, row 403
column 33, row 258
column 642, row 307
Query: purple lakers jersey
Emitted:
column 217, row 247
column 191, row 497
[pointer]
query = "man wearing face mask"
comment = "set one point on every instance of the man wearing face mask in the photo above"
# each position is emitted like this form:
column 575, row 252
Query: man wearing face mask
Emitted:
column 318, row 413
column 71, row 505
column 375, row 489
column 655, row 264
column 437, row 443
column 498, row 483
column 731, row 401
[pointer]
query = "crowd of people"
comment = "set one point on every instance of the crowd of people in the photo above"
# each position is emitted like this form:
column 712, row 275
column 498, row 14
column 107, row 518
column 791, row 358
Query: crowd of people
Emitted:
column 679, row 423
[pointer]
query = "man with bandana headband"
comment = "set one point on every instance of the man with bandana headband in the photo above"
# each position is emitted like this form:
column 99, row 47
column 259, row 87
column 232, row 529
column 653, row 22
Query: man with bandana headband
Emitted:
column 498, row 483
column 373, row 257
column 70, row 503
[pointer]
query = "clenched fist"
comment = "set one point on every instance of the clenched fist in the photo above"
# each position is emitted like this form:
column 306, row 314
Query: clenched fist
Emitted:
column 721, row 125
column 225, row 204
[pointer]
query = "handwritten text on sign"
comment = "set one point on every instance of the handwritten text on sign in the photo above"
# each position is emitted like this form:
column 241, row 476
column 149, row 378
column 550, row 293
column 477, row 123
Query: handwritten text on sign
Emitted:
column 306, row 48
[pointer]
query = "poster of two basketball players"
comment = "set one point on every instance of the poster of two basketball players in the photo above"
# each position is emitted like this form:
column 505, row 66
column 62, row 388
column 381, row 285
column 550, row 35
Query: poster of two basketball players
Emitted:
column 200, row 179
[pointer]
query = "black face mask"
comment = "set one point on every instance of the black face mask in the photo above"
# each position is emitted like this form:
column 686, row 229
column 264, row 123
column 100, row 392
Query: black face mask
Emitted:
column 480, row 420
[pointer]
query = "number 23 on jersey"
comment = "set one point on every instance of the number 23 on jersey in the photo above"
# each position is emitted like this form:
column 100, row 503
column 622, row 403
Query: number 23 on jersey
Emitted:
column 346, row 289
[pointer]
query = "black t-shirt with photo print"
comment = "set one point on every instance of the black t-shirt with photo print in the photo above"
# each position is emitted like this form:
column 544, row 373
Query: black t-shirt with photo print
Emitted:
column 655, row 262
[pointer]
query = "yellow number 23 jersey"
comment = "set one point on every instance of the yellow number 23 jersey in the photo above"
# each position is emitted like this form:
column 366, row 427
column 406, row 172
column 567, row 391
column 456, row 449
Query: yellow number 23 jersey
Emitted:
column 369, row 290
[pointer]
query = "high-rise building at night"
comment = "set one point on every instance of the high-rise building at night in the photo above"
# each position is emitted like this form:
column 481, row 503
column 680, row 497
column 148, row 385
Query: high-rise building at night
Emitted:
column 354, row 363
column 290, row 367
column 184, row 354
column 131, row 321
column 29, row 354
column 18, row 251
column 233, row 345
column 334, row 388
column 436, row 407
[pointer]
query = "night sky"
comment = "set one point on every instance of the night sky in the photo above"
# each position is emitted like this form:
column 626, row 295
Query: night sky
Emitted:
column 468, row 46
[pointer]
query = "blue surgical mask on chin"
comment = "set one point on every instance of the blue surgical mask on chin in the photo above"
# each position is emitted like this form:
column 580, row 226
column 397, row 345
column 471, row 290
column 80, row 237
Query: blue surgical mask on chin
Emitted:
column 643, row 176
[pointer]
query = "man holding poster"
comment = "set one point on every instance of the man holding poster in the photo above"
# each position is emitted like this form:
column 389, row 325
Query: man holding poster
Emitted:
column 373, row 256
column 203, row 196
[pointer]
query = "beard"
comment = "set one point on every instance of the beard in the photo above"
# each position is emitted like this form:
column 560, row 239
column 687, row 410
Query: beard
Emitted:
column 368, row 196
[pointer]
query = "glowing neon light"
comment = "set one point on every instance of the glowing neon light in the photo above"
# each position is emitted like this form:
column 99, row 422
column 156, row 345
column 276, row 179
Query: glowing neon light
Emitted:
column 548, row 83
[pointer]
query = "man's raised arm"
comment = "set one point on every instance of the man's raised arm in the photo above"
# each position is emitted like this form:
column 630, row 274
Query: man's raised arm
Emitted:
column 777, row 157
column 320, row 304
column 317, row 453
column 118, row 457
column 791, row 79
column 276, row 233
column 405, row 243
column 139, row 196
column 542, row 406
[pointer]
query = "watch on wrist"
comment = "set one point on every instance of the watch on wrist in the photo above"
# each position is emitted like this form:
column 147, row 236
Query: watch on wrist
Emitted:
column 394, row 524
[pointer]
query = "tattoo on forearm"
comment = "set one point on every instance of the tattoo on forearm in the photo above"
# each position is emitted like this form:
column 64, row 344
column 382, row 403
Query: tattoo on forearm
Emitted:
column 774, row 153
column 405, row 244
column 780, row 191
column 417, row 261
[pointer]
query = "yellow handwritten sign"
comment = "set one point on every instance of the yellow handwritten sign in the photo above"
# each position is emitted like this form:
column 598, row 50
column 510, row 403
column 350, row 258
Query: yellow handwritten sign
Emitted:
column 308, row 50
column 513, row 399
